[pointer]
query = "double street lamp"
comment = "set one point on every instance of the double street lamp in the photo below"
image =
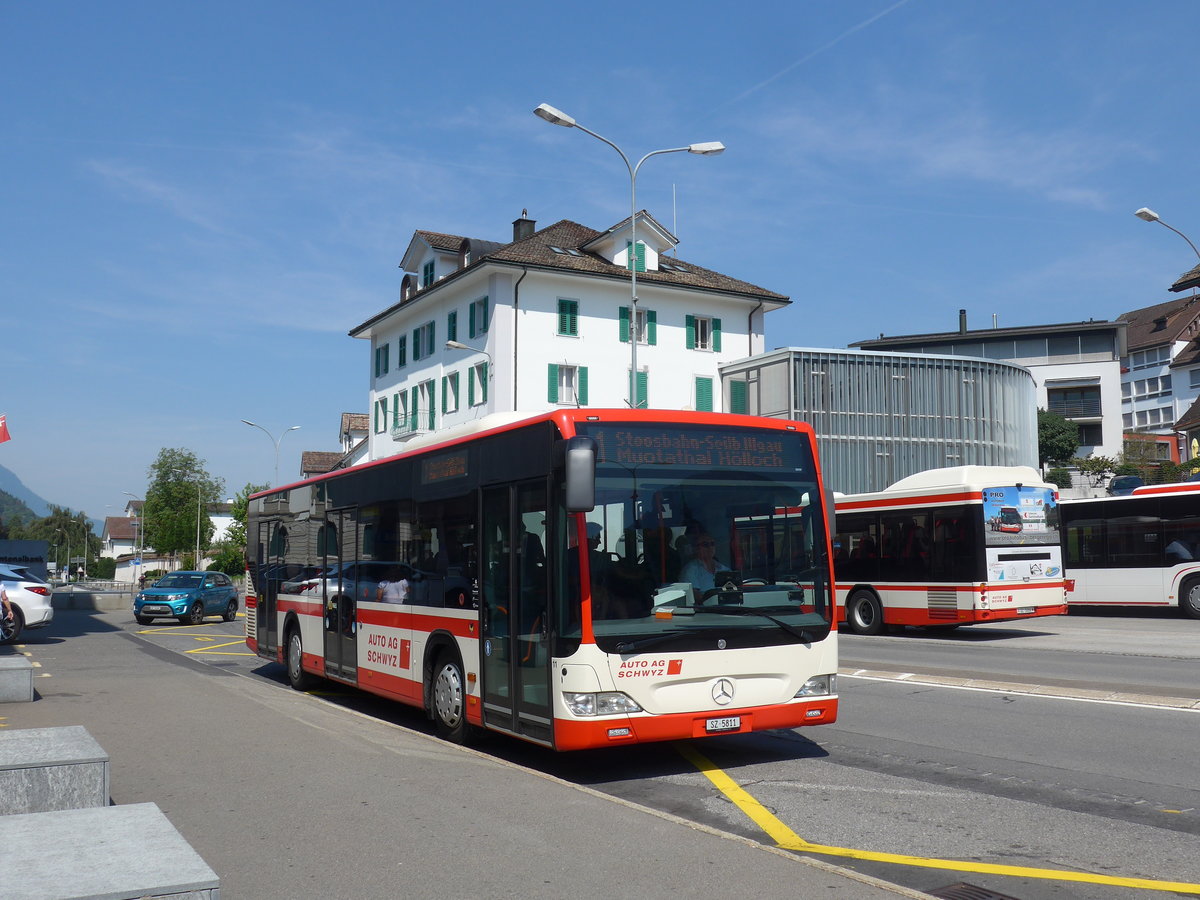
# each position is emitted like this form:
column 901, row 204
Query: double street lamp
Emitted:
column 275, row 441
column 711, row 148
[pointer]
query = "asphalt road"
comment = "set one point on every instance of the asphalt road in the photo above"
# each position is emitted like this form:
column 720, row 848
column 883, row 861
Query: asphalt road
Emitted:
column 925, row 785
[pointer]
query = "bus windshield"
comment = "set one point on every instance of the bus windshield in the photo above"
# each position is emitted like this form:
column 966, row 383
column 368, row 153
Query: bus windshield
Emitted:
column 1016, row 514
column 706, row 537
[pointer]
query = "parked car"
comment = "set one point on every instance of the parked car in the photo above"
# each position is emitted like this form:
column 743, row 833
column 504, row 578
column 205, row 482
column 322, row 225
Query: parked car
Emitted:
column 30, row 598
column 1124, row 484
column 188, row 597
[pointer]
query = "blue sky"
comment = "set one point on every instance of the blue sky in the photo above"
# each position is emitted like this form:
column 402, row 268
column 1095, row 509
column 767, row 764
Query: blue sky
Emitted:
column 200, row 200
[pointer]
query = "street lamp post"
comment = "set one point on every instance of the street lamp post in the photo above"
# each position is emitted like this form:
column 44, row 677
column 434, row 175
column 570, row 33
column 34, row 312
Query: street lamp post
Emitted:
column 711, row 148
column 196, row 558
column 67, row 535
column 139, row 535
column 1149, row 215
column 275, row 441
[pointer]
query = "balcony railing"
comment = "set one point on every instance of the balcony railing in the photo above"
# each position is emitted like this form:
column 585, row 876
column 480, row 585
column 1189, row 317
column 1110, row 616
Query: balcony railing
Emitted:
column 412, row 425
column 1074, row 409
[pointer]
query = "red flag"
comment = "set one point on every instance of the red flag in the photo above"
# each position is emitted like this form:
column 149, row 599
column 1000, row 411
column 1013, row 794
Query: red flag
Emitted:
column 4, row 435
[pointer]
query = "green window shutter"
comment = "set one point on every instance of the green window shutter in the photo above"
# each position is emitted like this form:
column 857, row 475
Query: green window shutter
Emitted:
column 470, row 387
column 568, row 317
column 486, row 314
column 643, row 389
column 387, row 352
column 416, row 344
column 737, row 397
column 471, row 320
column 704, row 397
column 716, row 335
column 624, row 324
column 412, row 410
column 452, row 326
column 640, row 256
column 689, row 327
column 395, row 409
column 376, row 362
column 552, row 383
column 445, row 392
column 651, row 327
column 432, row 338
column 581, row 386
column 402, row 351
column 483, row 382
column 432, row 405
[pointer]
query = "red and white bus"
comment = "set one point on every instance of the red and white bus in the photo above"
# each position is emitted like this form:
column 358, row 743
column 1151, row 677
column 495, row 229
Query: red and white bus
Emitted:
column 582, row 578
column 949, row 547
column 1142, row 549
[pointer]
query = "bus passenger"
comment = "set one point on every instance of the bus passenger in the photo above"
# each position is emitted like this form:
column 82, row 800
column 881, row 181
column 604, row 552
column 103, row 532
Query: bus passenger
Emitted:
column 395, row 589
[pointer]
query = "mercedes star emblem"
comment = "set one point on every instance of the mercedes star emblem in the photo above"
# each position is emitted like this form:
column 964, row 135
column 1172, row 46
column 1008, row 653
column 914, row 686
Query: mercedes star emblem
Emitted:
column 722, row 692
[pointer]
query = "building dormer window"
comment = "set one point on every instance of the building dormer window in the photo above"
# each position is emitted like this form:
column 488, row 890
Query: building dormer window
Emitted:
column 427, row 274
column 641, row 256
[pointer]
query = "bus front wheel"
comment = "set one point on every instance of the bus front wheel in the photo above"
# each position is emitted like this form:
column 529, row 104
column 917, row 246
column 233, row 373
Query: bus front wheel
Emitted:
column 449, row 700
column 300, row 680
column 864, row 615
column 1189, row 599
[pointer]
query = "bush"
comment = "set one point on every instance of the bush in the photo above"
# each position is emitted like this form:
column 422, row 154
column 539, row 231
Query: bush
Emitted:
column 1060, row 477
column 230, row 561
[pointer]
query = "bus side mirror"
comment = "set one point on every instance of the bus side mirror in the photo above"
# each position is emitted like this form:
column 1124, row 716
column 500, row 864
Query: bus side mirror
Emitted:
column 580, row 465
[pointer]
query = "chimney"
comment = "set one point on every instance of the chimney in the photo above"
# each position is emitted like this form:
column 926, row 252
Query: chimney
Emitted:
column 962, row 321
column 523, row 227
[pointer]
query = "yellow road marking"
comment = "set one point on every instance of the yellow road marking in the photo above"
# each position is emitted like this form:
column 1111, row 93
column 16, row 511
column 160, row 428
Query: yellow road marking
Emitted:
column 219, row 646
column 789, row 840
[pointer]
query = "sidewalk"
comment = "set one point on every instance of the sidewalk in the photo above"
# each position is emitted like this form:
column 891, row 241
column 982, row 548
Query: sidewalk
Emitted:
column 288, row 798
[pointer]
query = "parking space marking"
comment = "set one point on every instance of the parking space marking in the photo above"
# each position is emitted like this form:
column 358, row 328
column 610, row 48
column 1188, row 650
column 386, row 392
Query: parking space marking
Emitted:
column 787, row 839
column 213, row 649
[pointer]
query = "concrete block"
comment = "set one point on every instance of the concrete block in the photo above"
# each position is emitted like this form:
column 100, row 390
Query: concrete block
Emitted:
column 112, row 852
column 16, row 679
column 82, row 598
column 44, row 769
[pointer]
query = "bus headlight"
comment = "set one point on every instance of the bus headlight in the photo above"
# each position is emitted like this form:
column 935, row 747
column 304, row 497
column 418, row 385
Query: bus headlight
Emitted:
column 605, row 703
column 819, row 686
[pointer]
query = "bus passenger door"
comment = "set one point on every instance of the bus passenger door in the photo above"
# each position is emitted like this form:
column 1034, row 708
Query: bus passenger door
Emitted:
column 514, row 585
column 340, row 609
column 270, row 554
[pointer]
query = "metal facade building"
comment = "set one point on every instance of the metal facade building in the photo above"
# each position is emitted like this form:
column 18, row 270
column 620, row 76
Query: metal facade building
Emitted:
column 882, row 416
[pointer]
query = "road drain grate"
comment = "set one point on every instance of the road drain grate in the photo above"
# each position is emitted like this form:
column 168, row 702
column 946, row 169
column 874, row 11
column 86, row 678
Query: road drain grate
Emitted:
column 964, row 891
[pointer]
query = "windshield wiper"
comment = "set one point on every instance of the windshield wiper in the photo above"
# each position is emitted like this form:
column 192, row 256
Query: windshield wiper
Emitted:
column 803, row 634
column 652, row 641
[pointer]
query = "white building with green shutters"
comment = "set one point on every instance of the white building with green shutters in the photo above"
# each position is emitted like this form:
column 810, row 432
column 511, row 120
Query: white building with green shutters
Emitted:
column 544, row 321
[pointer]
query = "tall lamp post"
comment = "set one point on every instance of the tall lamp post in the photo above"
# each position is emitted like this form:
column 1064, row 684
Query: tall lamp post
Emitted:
column 711, row 148
column 275, row 441
column 67, row 535
column 1149, row 215
column 139, row 534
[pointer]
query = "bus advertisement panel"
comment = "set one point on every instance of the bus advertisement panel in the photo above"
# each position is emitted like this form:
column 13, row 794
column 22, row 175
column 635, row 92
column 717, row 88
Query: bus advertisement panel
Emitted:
column 691, row 594
column 949, row 547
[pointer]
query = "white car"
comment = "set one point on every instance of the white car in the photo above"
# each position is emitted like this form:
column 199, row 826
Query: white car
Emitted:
column 30, row 598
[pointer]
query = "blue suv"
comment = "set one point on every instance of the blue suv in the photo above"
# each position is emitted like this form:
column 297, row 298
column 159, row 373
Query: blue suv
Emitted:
column 188, row 597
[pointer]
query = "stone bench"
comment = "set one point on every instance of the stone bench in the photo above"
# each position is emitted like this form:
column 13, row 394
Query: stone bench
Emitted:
column 16, row 678
column 112, row 852
column 44, row 769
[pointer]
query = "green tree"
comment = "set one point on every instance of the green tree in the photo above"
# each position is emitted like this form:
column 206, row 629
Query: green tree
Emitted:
column 1058, row 438
column 65, row 531
column 1095, row 468
column 178, row 497
column 1060, row 477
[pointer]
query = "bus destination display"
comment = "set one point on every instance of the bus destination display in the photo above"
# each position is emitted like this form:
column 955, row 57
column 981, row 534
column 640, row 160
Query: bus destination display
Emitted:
column 635, row 445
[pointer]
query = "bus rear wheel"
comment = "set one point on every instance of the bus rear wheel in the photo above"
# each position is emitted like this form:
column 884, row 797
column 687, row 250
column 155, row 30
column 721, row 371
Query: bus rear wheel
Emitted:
column 1189, row 599
column 864, row 614
column 449, row 700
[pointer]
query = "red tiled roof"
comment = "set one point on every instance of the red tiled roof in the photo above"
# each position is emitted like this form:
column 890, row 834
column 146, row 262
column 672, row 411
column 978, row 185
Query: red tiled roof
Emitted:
column 1161, row 323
